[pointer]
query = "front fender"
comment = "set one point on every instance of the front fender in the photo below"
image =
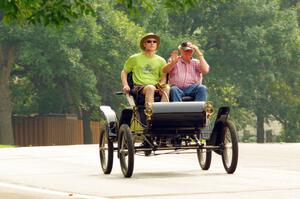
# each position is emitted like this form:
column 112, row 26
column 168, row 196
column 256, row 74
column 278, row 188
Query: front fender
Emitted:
column 217, row 132
column 111, row 120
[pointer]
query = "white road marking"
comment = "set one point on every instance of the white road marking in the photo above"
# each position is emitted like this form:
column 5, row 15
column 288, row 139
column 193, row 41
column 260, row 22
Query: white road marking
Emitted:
column 47, row 191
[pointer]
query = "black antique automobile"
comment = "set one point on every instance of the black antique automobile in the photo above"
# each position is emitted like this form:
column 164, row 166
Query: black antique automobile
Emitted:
column 174, row 126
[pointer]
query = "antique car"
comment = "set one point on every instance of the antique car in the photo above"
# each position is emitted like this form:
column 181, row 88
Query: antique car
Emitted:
column 168, row 126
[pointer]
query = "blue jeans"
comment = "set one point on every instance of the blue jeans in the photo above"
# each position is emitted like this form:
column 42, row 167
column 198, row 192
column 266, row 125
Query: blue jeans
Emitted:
column 198, row 91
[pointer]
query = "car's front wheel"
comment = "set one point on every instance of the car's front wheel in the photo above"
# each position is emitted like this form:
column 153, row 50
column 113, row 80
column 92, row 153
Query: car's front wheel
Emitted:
column 106, row 150
column 230, row 147
column 126, row 150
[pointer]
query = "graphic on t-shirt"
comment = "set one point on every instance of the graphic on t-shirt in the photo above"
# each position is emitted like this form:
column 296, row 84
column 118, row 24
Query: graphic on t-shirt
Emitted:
column 147, row 69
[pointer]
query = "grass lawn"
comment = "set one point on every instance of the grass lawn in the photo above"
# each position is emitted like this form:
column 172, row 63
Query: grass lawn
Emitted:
column 7, row 146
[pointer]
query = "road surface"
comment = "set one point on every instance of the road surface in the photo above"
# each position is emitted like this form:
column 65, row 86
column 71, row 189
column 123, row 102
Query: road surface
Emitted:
column 69, row 172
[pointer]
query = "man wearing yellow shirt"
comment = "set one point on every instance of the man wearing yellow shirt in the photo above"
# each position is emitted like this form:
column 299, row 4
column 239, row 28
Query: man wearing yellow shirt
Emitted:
column 146, row 68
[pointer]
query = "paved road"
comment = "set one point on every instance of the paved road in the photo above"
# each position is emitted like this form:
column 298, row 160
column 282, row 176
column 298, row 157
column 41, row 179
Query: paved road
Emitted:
column 68, row 172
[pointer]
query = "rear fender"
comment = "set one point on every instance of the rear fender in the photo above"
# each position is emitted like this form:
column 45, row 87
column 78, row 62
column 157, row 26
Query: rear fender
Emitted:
column 111, row 120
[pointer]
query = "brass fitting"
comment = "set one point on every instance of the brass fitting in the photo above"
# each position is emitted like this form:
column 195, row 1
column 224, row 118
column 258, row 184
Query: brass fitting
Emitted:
column 209, row 109
column 148, row 112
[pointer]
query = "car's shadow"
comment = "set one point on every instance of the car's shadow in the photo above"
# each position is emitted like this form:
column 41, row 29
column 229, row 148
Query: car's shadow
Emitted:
column 167, row 174
column 173, row 174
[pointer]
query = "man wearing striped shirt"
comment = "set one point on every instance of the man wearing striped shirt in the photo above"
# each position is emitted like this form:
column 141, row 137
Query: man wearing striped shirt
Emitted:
column 186, row 73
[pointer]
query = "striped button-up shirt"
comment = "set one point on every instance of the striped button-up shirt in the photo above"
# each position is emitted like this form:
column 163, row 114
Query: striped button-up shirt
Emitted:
column 185, row 74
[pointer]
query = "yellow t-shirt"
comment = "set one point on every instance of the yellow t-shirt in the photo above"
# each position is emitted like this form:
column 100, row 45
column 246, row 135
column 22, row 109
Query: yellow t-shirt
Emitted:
column 146, row 70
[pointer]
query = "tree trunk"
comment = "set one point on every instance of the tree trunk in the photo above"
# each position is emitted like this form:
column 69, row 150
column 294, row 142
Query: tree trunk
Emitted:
column 260, row 132
column 290, row 132
column 87, row 133
column 6, row 60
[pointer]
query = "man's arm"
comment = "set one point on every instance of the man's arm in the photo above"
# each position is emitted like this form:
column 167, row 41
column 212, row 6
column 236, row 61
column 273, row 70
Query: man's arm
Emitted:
column 204, row 67
column 163, row 79
column 169, row 66
column 126, row 87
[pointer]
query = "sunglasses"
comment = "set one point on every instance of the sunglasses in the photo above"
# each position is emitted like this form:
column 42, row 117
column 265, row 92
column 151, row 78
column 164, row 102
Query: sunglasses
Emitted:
column 151, row 41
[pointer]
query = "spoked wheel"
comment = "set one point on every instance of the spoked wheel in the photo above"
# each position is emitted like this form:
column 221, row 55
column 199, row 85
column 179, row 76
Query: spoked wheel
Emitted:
column 106, row 150
column 230, row 144
column 204, row 158
column 126, row 150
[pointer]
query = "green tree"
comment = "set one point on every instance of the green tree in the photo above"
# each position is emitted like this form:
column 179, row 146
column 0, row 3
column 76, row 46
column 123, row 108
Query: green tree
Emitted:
column 8, row 46
column 51, row 59
column 250, row 43
column 40, row 12
column 120, row 39
column 44, row 11
column 245, row 43
column 36, row 12
column 22, row 12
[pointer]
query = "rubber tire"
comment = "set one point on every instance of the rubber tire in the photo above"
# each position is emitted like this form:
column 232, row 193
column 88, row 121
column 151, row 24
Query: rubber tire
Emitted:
column 204, row 162
column 125, row 141
column 106, row 160
column 229, row 132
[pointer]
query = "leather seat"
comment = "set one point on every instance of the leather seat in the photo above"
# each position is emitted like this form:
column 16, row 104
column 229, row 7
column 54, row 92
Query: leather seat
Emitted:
column 140, row 98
